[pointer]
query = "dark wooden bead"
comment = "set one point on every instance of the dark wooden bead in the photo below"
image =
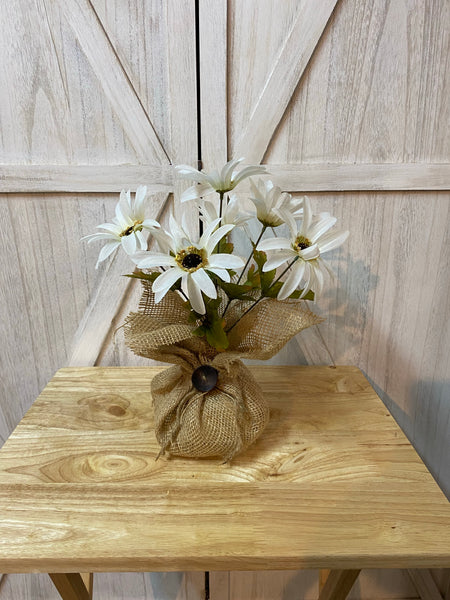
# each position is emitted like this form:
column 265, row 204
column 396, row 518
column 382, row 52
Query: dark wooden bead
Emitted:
column 204, row 378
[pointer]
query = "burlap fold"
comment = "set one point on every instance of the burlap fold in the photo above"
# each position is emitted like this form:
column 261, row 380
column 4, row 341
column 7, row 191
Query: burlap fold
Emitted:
column 228, row 418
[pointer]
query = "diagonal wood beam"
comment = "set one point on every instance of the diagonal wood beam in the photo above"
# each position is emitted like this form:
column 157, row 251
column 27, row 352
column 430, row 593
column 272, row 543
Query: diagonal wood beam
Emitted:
column 70, row 586
column 338, row 584
column 99, row 51
column 30, row 179
column 113, row 291
column 424, row 583
column 290, row 65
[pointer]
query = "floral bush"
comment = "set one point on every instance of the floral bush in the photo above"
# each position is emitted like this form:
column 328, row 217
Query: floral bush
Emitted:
column 205, row 271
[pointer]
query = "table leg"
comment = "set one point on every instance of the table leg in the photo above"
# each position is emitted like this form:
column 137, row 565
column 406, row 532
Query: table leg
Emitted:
column 338, row 584
column 323, row 576
column 73, row 586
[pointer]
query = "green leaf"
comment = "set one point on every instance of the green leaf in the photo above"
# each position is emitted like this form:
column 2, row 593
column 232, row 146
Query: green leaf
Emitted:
column 276, row 287
column 212, row 326
column 235, row 291
column 216, row 336
column 141, row 275
column 266, row 277
column 226, row 247
column 296, row 295
column 253, row 278
column 260, row 258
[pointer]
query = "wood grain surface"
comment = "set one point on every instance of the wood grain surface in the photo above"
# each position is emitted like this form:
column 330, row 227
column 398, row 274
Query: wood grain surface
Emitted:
column 332, row 483
column 373, row 99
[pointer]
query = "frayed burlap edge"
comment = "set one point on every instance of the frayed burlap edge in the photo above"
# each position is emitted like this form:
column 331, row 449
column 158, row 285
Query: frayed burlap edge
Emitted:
column 227, row 419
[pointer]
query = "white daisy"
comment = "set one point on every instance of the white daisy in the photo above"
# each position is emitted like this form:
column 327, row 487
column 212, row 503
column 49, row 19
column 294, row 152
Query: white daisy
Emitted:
column 222, row 182
column 231, row 214
column 269, row 199
column 126, row 229
column 190, row 262
column 304, row 250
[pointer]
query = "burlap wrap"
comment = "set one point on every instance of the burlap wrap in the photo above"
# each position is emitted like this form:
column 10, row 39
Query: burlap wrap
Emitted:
column 228, row 418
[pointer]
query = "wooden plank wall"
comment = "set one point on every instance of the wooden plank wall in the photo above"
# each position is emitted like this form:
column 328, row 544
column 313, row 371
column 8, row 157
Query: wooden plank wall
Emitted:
column 374, row 92
column 362, row 126
column 98, row 93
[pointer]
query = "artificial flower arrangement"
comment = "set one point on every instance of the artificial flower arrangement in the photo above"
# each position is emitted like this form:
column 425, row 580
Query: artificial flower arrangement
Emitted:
column 204, row 308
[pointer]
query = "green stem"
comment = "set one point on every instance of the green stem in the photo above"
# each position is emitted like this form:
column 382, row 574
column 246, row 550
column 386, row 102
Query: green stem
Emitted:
column 262, row 297
column 221, row 194
column 221, row 204
column 251, row 254
column 245, row 266
column 285, row 271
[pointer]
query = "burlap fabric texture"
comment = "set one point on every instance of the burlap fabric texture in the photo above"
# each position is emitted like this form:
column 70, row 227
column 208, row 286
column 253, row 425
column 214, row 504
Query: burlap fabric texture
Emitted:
column 228, row 418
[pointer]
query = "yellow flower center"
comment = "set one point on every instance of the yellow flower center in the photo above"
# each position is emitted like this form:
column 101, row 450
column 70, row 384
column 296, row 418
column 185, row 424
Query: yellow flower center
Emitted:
column 301, row 242
column 191, row 259
column 137, row 226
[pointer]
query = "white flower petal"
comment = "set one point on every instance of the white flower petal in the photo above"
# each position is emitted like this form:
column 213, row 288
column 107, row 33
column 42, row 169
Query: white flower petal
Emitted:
column 225, row 261
column 195, row 192
column 187, row 172
column 215, row 180
column 331, row 241
column 129, row 243
column 122, row 217
column 277, row 259
column 293, row 280
column 248, row 172
column 100, row 236
column 288, row 218
column 216, row 237
column 227, row 172
column 194, row 294
column 320, row 228
column 308, row 276
column 141, row 240
column 150, row 224
column 204, row 282
column 326, row 267
column 155, row 260
column 307, row 216
column 110, row 227
column 125, row 199
column 310, row 253
column 139, row 202
column 208, row 211
column 106, row 251
column 203, row 241
column 318, row 286
column 165, row 241
column 275, row 244
column 261, row 208
column 165, row 281
column 179, row 236
column 224, row 275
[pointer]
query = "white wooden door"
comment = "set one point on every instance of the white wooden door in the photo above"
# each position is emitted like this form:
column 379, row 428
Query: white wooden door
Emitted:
column 348, row 101
column 95, row 96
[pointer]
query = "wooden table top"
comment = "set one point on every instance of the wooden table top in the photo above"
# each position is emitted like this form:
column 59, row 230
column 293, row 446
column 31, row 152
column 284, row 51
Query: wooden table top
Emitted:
column 332, row 483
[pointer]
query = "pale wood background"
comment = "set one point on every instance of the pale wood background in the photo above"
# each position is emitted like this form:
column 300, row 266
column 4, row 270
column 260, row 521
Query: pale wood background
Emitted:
column 346, row 100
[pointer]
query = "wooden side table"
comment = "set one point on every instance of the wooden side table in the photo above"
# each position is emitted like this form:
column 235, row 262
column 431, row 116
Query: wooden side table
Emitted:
column 333, row 483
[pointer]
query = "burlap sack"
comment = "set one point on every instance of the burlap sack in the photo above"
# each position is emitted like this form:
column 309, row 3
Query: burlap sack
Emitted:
column 227, row 419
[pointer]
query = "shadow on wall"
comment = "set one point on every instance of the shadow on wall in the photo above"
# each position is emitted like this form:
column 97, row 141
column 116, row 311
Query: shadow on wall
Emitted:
column 426, row 424
column 347, row 307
